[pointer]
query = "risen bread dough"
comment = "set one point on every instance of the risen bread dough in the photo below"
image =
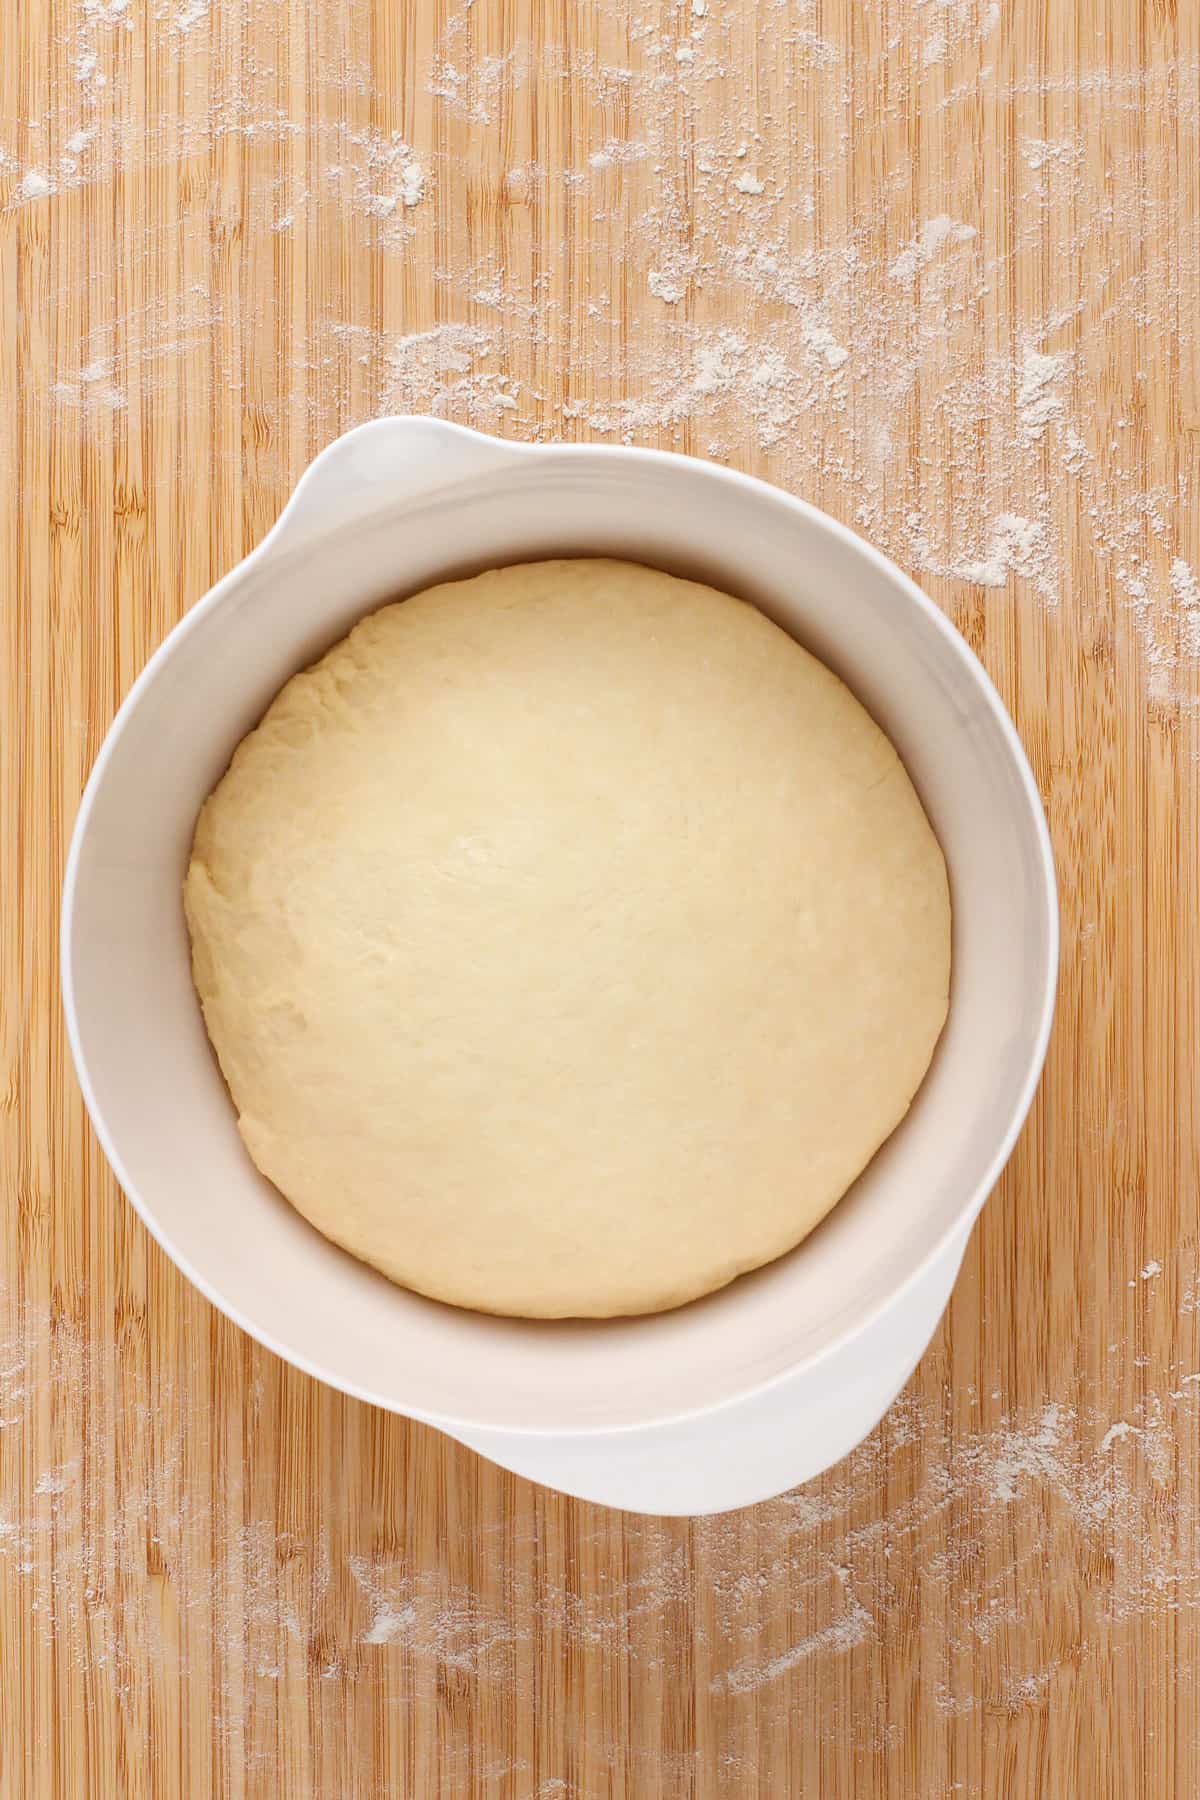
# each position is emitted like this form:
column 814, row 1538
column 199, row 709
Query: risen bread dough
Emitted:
column 569, row 938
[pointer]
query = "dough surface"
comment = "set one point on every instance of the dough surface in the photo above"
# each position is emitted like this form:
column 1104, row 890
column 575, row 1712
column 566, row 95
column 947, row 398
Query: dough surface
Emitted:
column 569, row 938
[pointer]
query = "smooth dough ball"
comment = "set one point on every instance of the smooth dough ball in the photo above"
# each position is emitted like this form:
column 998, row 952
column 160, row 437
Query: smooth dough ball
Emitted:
column 569, row 938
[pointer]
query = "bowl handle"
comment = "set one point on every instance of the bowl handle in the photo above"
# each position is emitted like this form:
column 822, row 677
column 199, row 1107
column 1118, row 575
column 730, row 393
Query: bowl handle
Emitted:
column 387, row 460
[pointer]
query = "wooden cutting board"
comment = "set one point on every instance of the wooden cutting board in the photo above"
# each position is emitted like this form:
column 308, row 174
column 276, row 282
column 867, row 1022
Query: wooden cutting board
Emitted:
column 932, row 264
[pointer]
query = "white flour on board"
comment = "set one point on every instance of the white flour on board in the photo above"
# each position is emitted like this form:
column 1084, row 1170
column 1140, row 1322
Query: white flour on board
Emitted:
column 929, row 241
column 860, row 373
column 35, row 184
column 79, row 1533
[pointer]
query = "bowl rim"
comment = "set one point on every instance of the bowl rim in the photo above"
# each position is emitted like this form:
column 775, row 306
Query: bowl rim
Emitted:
column 931, row 618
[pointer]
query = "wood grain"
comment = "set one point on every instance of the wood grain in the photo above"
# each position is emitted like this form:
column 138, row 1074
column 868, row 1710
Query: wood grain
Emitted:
column 217, row 1577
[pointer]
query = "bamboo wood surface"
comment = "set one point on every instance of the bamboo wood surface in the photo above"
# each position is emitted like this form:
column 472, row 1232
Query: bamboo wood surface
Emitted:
column 934, row 264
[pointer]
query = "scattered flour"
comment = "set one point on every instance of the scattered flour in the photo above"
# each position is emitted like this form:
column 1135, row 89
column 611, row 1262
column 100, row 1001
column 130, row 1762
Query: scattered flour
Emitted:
column 616, row 153
column 808, row 1587
column 388, row 1625
column 35, row 184
column 108, row 12
column 51, row 1481
column 412, row 184
column 1066, row 154
column 854, row 1626
column 1028, row 1455
column 193, row 14
column 438, row 371
column 1187, row 596
column 932, row 238
column 839, row 356
column 820, row 340
column 1038, row 400
column 1018, row 547
column 663, row 288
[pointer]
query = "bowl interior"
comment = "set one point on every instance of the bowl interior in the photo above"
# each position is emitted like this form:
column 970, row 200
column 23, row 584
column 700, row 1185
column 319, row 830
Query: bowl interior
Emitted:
column 158, row 1098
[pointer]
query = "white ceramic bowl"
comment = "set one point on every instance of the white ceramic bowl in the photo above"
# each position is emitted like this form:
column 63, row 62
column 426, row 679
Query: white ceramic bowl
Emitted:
column 723, row 1401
